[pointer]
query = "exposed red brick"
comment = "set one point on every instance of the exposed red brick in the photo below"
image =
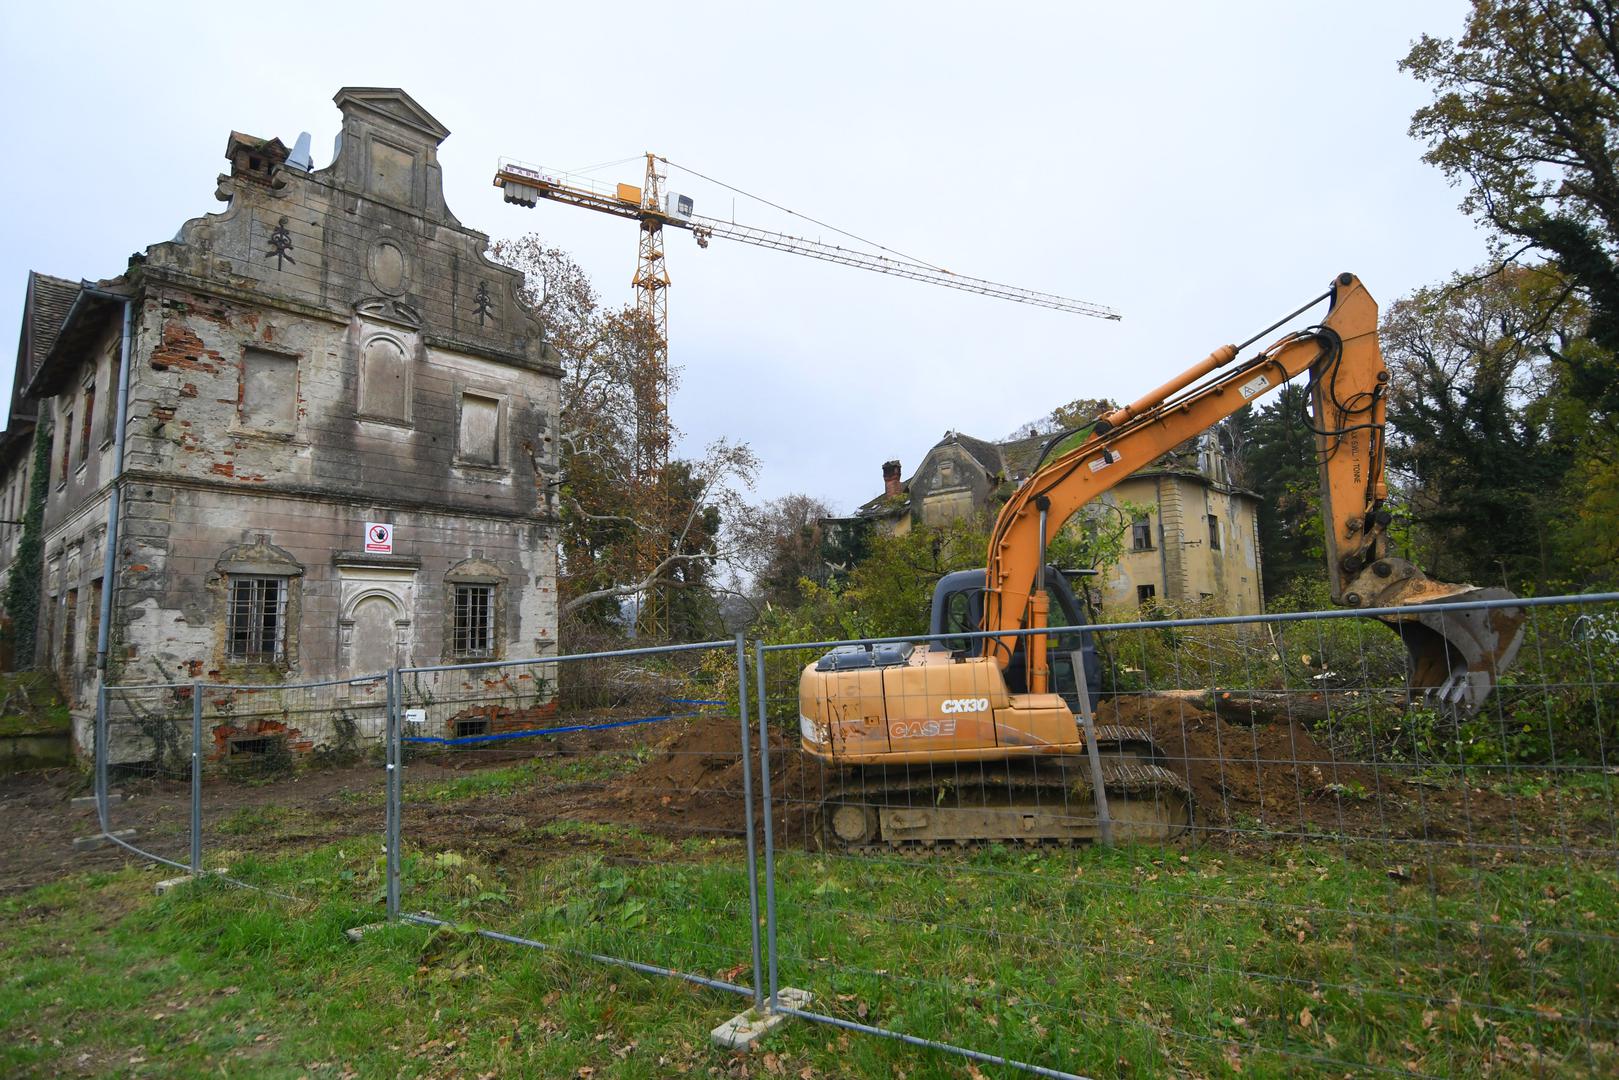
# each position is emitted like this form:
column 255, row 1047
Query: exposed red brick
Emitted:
column 188, row 390
column 183, row 349
column 224, row 733
column 223, row 468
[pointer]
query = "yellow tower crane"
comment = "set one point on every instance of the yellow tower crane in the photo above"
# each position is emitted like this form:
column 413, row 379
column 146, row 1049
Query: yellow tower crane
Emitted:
column 654, row 207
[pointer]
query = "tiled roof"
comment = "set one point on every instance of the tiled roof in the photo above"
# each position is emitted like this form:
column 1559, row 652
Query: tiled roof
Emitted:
column 49, row 299
column 987, row 453
column 1015, row 459
column 1019, row 455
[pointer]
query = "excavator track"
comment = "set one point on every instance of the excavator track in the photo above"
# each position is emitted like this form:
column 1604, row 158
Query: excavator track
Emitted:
column 912, row 809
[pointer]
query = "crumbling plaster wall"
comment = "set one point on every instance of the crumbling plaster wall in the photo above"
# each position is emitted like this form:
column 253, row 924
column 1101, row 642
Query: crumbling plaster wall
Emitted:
column 260, row 434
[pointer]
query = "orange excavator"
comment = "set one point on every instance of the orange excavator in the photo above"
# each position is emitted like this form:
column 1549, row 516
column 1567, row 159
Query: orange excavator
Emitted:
column 970, row 741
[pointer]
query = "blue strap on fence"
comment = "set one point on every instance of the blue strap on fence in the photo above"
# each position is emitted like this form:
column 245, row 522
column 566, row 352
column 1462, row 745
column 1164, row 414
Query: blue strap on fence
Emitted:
column 694, row 701
column 468, row 740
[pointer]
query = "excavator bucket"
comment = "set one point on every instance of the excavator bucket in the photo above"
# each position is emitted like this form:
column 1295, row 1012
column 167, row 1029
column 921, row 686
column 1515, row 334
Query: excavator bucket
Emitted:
column 1457, row 656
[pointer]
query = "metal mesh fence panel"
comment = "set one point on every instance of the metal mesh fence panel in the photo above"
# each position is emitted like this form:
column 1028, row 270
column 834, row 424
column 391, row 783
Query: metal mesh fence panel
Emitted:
column 1313, row 868
column 292, row 776
column 144, row 757
column 594, row 804
column 262, row 782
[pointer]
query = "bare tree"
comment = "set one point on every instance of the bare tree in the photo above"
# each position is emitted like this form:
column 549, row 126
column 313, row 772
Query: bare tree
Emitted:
column 612, row 517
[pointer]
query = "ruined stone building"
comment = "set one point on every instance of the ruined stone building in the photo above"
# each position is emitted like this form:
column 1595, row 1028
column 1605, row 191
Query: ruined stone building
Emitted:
column 1193, row 531
column 330, row 353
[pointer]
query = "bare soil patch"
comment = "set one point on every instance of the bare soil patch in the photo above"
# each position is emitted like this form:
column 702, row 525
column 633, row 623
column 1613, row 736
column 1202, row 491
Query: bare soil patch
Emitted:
column 683, row 780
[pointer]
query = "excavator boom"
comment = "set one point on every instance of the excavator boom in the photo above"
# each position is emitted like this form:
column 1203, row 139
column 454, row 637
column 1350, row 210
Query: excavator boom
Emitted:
column 966, row 744
column 1455, row 657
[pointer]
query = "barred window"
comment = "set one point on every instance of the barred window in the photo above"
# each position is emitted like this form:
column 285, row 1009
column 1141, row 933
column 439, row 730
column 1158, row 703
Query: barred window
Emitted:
column 474, row 629
column 257, row 625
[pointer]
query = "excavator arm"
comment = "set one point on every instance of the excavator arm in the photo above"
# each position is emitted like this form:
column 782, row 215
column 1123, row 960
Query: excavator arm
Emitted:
column 1454, row 657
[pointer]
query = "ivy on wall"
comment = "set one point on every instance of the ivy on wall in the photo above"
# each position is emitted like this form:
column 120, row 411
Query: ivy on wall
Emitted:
column 23, row 587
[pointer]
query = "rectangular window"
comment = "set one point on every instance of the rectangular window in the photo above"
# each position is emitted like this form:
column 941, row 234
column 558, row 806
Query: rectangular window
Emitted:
column 1214, row 532
column 474, row 629
column 1141, row 534
column 67, row 444
column 269, row 392
column 480, row 430
column 88, row 424
column 109, row 415
column 70, row 619
column 50, row 629
column 1144, row 594
column 257, row 625
column 92, row 632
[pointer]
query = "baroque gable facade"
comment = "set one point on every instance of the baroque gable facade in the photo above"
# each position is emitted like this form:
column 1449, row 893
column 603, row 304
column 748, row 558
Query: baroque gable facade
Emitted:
column 332, row 351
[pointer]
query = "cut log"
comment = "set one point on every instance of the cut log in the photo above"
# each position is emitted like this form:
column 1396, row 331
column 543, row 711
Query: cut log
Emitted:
column 1310, row 707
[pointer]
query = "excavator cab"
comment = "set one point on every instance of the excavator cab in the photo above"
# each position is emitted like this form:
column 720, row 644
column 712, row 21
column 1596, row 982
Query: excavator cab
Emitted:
column 958, row 607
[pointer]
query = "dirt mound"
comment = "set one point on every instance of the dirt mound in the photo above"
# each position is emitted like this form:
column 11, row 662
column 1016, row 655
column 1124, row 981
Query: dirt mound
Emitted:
column 694, row 782
column 1276, row 772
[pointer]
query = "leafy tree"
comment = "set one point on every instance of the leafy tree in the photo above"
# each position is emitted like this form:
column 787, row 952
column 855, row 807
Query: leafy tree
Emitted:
column 1482, row 430
column 783, row 539
column 22, row 596
column 1524, row 118
column 891, row 590
column 1076, row 414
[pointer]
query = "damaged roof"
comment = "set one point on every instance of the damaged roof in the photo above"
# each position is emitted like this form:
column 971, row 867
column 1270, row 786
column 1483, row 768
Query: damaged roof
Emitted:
column 85, row 317
column 1014, row 460
column 45, row 309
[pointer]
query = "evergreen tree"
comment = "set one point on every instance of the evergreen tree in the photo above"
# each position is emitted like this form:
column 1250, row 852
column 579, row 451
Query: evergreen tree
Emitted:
column 1279, row 462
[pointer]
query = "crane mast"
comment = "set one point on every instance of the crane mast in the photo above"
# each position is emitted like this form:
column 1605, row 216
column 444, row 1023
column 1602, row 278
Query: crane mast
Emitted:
column 651, row 465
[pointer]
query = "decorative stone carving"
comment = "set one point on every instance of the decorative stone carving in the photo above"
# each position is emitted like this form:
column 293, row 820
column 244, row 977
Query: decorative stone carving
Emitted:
column 389, row 310
column 387, row 267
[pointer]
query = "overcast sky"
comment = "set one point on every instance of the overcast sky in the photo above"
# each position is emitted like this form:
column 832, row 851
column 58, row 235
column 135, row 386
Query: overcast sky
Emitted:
column 1201, row 168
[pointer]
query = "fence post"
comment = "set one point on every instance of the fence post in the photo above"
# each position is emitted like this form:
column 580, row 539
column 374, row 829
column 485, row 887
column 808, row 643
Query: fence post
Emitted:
column 747, row 810
column 196, row 778
column 99, row 734
column 393, row 757
column 770, row 847
column 1104, row 821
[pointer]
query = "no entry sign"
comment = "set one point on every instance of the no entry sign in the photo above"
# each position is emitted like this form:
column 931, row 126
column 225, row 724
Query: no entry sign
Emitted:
column 379, row 538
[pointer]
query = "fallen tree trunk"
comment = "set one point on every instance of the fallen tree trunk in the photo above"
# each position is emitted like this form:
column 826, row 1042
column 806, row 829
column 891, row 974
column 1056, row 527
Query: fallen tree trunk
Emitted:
column 1311, row 707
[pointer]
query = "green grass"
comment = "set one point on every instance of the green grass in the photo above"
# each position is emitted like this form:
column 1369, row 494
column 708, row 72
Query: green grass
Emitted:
column 1140, row 961
column 504, row 780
